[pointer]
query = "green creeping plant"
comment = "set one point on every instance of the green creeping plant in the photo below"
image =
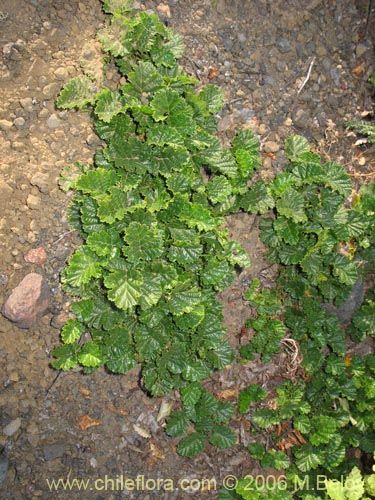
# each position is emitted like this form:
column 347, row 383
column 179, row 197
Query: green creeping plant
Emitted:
column 154, row 253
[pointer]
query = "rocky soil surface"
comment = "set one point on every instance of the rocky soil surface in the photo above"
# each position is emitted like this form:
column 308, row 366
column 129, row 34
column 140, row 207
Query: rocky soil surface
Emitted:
column 286, row 66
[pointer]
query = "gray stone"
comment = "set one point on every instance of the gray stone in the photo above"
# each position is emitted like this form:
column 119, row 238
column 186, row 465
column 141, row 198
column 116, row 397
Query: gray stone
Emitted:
column 54, row 450
column 29, row 299
column 284, row 45
column 27, row 104
column 12, row 427
column 53, row 121
column 19, row 122
column 50, row 91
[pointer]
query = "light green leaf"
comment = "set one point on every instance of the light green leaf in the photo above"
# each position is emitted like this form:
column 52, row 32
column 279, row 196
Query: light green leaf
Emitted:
column 66, row 355
column 183, row 299
column 77, row 93
column 218, row 189
column 295, row 146
column 108, row 104
column 118, row 7
column 83, row 265
column 214, row 98
column 96, row 182
column 125, row 288
column 71, row 331
column 91, row 355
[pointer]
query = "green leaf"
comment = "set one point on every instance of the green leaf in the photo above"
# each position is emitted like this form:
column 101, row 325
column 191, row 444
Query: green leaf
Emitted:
column 82, row 267
column 96, row 182
column 292, row 205
column 191, row 445
column 71, row 332
column 296, row 146
column 108, row 105
column 307, row 458
column 221, row 357
column 252, row 393
column 143, row 242
column 177, row 424
column 120, row 359
column 163, row 135
column 191, row 393
column 77, row 93
column 338, row 179
column 91, row 355
column 345, row 270
column 124, row 288
column 353, row 485
column 223, row 437
column 104, row 242
column 66, row 355
column 117, row 7
column 218, row 189
column 165, row 103
column 213, row 96
column 143, row 80
column 184, row 299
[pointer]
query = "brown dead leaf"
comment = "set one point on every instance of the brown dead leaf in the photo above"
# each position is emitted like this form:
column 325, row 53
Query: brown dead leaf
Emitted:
column 164, row 9
column 85, row 392
column 359, row 69
column 86, row 422
column 213, row 73
column 156, row 452
column 117, row 411
column 228, row 393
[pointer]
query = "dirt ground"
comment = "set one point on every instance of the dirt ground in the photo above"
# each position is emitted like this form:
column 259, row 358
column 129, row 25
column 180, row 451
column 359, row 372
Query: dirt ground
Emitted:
column 286, row 66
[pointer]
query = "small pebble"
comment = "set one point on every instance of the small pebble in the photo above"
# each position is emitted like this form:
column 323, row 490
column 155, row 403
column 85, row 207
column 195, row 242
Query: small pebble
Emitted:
column 12, row 427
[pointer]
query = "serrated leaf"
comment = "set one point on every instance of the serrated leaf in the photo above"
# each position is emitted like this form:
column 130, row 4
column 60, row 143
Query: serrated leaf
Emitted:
column 307, row 458
column 82, row 267
column 108, row 105
column 287, row 229
column 292, row 205
column 338, row 179
column 214, row 98
column 91, row 355
column 120, row 359
column 143, row 80
column 165, row 103
column 221, row 160
column 163, row 135
column 218, row 189
column 96, row 182
column 196, row 371
column 66, row 355
column 345, row 269
column 104, row 242
column 252, row 393
column 118, row 7
column 191, row 393
column 143, row 242
column 221, row 357
column 296, row 146
column 177, row 424
column 77, row 93
column 191, row 445
column 183, row 299
column 71, row 331
column 124, row 288
column 223, row 437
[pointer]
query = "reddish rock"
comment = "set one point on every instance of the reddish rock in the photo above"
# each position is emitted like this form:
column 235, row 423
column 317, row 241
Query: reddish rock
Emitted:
column 30, row 298
column 36, row 256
